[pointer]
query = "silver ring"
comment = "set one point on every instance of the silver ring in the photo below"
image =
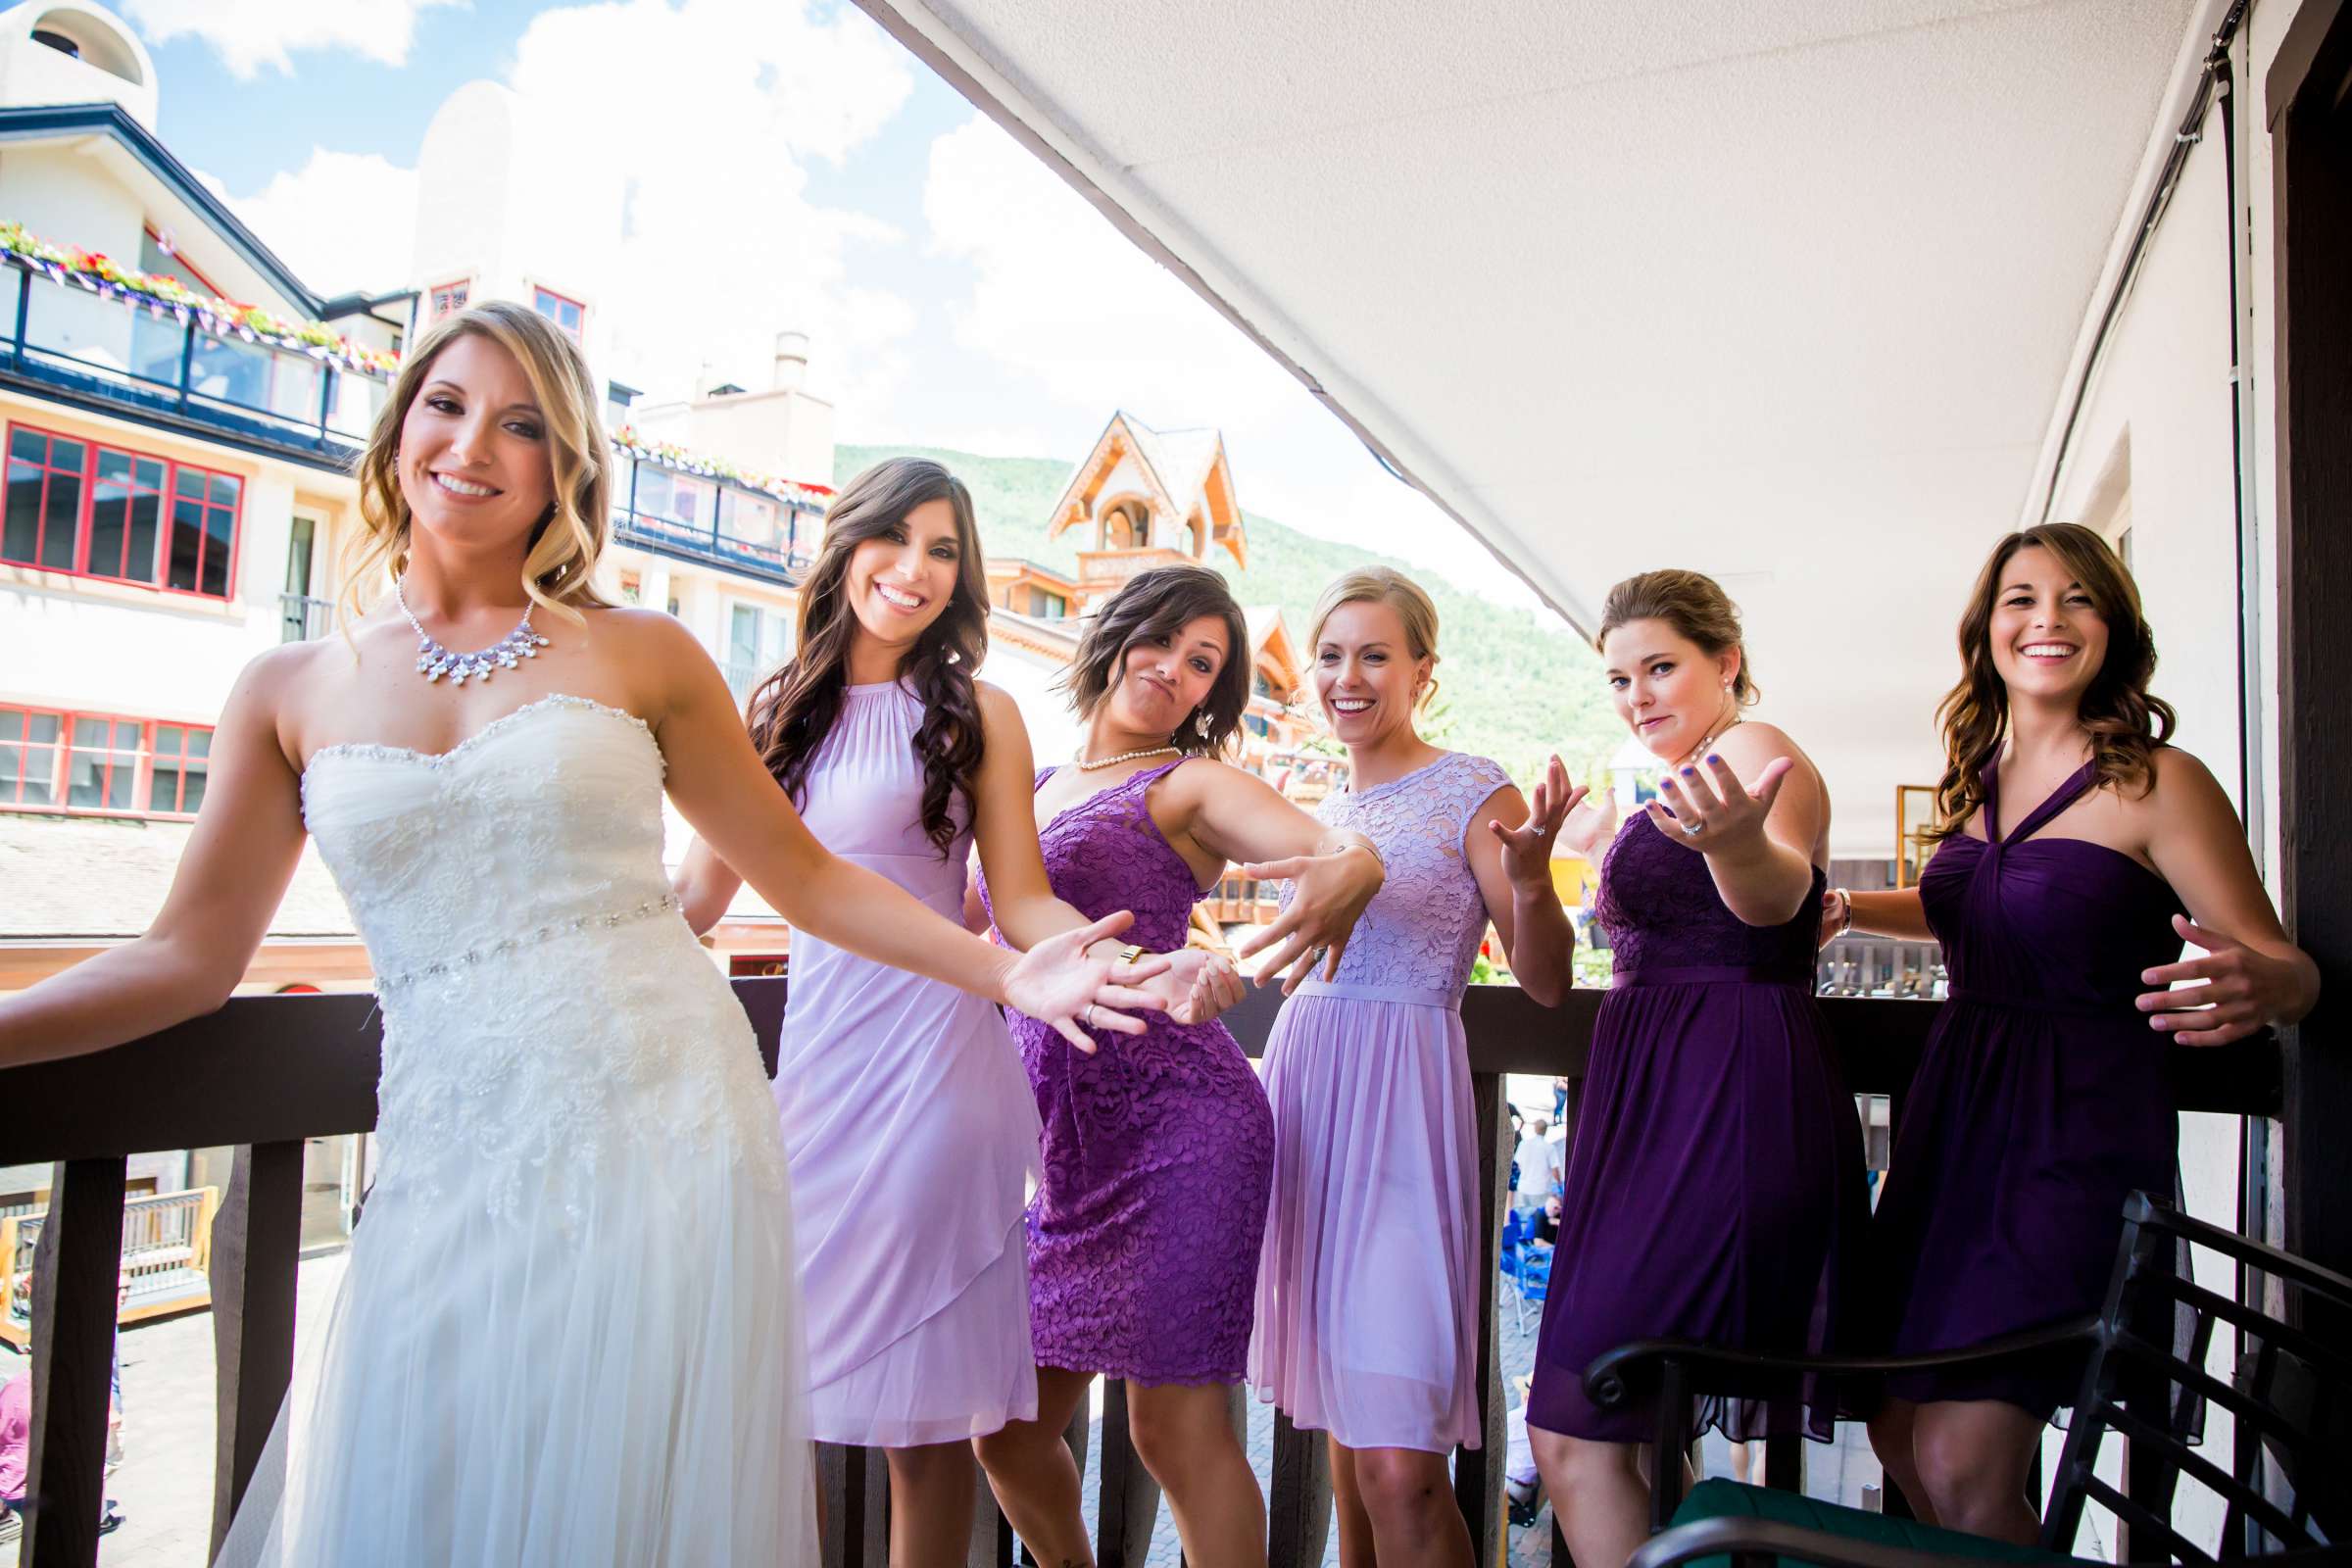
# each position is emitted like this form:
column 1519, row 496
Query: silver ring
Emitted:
column 1315, row 954
column 1692, row 830
column 1087, row 1018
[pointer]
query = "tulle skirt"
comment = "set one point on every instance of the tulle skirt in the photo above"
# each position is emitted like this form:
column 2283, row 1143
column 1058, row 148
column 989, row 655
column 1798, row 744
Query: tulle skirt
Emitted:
column 1367, row 1291
column 559, row 1374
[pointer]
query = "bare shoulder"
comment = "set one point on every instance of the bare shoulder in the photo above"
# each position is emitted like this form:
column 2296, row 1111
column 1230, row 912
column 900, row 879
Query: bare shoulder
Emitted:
column 997, row 707
column 2182, row 783
column 1752, row 743
column 638, row 629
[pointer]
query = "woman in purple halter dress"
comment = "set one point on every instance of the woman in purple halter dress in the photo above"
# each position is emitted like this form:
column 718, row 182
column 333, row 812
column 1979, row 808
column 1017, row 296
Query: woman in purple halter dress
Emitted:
column 1714, row 1187
column 2076, row 845
column 1144, row 1235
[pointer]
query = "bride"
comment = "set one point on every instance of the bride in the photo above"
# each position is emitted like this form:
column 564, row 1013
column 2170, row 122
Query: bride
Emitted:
column 570, row 1330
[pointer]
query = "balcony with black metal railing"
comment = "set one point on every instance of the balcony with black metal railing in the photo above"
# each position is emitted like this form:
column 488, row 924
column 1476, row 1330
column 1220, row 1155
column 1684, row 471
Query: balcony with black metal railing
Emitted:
column 76, row 343
column 265, row 1073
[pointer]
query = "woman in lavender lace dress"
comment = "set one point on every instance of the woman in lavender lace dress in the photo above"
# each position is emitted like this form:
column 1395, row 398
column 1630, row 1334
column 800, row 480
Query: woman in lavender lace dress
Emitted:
column 1144, row 1235
column 1368, row 1318
column 2076, row 849
column 1715, row 1183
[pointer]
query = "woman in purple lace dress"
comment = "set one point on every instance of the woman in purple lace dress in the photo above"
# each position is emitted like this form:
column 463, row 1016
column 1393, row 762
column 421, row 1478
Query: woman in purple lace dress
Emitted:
column 2076, row 848
column 1144, row 1235
column 1368, row 1322
column 1715, row 1181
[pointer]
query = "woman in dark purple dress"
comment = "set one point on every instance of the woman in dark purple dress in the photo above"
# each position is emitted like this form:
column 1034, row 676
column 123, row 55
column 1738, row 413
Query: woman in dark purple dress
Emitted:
column 2076, row 848
column 1144, row 1233
column 1716, row 1177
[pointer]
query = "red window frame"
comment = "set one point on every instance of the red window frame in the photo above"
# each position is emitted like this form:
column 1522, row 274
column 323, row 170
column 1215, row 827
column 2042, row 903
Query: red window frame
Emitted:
column 51, row 471
column 88, row 529
column 139, row 758
column 166, row 522
column 153, row 754
column 462, row 287
column 541, row 292
column 24, row 745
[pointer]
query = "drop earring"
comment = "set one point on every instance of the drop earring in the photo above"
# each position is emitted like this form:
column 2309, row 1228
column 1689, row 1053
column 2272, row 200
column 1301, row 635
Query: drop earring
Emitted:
column 1201, row 722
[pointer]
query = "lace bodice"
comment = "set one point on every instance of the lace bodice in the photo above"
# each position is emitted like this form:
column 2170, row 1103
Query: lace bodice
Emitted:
column 1422, row 930
column 1660, row 905
column 541, row 993
column 1104, row 853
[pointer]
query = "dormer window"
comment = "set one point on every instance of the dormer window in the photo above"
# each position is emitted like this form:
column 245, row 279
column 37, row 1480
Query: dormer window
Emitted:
column 567, row 313
column 450, row 298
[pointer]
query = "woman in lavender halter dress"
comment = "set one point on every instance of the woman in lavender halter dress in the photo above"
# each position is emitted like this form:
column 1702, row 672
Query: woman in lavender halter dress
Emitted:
column 898, row 1096
column 2041, row 1100
column 1368, row 1323
column 1144, row 1235
column 1716, row 1178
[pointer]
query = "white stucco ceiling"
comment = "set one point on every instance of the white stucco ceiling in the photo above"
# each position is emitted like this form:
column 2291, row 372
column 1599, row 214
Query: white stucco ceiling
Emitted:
column 1784, row 290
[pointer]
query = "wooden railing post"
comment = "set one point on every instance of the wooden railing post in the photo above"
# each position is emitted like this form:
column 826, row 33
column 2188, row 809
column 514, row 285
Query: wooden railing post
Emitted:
column 1478, row 1472
column 257, row 1247
column 853, row 1492
column 1299, row 1502
column 1129, row 1499
column 992, row 1531
column 75, row 1265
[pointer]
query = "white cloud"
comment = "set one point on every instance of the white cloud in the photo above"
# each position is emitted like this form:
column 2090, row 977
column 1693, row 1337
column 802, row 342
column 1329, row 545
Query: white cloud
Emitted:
column 342, row 222
column 250, row 35
column 727, row 101
column 1062, row 296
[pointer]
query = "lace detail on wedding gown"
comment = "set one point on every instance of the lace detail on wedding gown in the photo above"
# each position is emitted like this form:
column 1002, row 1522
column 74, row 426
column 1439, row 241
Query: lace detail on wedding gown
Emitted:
column 514, row 888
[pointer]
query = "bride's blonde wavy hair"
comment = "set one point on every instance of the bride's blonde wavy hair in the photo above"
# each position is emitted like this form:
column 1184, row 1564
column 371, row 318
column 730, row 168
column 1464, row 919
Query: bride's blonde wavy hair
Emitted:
column 567, row 543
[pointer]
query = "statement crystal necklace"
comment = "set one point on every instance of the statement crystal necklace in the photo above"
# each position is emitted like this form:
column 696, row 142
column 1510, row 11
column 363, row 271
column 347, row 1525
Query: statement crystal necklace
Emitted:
column 434, row 660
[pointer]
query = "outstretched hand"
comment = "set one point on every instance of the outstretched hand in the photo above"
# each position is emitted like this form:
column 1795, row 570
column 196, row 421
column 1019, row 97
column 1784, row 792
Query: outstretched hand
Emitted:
column 1058, row 984
column 2238, row 989
column 1527, row 848
column 1197, row 986
column 1332, row 891
column 1710, row 811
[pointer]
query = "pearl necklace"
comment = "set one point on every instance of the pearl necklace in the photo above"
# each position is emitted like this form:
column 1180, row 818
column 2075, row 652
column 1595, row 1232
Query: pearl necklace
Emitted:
column 434, row 660
column 1701, row 750
column 1085, row 766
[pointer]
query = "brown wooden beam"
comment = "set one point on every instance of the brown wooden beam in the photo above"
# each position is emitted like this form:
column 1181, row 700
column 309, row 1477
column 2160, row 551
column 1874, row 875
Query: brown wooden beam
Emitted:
column 75, row 1266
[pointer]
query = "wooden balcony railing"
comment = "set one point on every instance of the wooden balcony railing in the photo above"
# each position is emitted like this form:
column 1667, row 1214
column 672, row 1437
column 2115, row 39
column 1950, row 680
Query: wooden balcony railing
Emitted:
column 266, row 1072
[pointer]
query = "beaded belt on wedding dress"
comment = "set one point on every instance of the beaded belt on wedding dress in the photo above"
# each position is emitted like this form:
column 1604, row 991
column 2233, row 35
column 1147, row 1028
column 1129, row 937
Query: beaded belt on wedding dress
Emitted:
column 545, row 933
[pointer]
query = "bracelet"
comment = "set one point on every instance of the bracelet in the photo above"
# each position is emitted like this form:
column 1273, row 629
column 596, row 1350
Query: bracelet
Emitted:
column 1369, row 848
column 1847, row 899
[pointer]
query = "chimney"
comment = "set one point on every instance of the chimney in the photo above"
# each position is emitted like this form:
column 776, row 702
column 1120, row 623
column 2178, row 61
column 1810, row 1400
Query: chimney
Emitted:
column 792, row 361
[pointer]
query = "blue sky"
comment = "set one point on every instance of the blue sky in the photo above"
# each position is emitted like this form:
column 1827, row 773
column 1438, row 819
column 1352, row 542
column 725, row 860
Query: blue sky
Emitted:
column 957, row 294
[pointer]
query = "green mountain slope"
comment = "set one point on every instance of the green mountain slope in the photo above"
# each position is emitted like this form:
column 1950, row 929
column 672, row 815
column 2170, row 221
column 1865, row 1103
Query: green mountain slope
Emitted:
column 1513, row 684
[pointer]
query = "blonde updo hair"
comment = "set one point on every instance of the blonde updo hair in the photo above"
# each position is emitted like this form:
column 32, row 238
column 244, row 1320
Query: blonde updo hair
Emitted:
column 1387, row 586
column 1694, row 604
column 567, row 542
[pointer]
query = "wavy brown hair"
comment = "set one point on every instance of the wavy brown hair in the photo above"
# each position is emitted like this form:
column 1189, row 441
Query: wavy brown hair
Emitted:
column 2125, row 720
column 567, row 542
column 792, row 710
column 1160, row 603
column 1694, row 604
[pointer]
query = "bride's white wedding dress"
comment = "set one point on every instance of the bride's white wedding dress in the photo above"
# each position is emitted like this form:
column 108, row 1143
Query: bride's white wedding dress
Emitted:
column 570, row 1332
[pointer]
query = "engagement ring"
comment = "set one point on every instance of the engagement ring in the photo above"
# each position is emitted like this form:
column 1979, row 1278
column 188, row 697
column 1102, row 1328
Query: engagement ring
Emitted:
column 1692, row 830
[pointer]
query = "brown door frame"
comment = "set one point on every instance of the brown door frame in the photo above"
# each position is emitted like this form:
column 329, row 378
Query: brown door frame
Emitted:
column 2309, row 97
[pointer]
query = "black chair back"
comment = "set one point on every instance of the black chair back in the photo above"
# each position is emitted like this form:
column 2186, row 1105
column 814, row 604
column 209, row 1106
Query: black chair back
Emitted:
column 2286, row 1479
